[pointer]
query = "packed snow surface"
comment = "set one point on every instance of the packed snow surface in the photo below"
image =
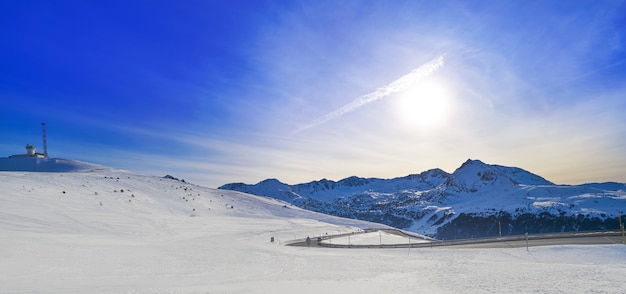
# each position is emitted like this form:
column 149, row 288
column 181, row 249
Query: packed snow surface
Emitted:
column 109, row 231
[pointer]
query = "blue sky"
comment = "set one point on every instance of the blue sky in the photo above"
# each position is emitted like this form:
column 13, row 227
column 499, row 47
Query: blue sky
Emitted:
column 239, row 91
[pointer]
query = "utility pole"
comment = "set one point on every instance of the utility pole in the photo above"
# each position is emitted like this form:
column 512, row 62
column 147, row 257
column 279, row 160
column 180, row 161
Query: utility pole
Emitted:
column 409, row 246
column 621, row 227
column 526, row 241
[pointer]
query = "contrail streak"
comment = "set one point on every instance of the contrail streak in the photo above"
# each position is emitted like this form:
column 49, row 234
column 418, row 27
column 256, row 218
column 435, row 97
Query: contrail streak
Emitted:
column 398, row 85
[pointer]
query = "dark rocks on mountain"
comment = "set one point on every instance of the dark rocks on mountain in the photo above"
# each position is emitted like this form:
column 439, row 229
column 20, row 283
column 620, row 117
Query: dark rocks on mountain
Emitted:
column 173, row 178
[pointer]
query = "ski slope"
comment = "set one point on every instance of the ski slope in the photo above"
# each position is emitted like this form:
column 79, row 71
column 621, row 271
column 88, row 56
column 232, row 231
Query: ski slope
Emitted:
column 112, row 231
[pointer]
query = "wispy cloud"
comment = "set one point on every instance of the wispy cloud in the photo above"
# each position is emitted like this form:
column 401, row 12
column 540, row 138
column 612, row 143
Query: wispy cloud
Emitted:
column 404, row 82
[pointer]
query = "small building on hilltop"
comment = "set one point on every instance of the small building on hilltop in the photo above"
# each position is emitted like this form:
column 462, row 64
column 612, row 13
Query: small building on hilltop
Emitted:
column 31, row 151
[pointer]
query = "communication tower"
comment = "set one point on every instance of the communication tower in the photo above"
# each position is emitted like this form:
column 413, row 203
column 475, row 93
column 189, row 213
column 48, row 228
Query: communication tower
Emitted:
column 45, row 144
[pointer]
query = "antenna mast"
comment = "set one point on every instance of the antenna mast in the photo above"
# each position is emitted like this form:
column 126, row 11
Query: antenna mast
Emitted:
column 45, row 144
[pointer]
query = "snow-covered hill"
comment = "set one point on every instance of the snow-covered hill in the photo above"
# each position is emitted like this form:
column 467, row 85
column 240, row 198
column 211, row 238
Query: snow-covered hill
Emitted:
column 35, row 164
column 116, row 231
column 96, row 202
column 467, row 203
column 112, row 231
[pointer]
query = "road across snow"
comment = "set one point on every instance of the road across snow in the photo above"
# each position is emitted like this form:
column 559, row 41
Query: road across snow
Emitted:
column 372, row 238
column 79, row 233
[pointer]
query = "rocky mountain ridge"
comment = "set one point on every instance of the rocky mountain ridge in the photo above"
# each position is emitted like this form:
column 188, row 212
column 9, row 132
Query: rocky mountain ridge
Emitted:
column 476, row 200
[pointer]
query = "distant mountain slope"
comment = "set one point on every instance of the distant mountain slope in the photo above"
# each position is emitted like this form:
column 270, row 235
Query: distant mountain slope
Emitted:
column 34, row 164
column 477, row 199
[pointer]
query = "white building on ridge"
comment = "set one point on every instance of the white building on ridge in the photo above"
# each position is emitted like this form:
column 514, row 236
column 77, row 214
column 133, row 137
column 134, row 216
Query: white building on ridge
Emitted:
column 31, row 151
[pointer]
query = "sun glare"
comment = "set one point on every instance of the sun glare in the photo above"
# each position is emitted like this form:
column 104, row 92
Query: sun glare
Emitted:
column 425, row 104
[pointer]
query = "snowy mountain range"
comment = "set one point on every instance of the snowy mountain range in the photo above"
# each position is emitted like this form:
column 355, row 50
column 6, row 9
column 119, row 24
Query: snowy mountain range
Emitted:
column 476, row 200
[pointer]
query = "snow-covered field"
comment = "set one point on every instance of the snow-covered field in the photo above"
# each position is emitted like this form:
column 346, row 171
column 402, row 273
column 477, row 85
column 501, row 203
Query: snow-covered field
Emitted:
column 110, row 231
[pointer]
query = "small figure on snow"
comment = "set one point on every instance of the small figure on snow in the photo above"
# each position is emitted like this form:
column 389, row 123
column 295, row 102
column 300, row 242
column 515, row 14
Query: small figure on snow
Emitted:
column 308, row 241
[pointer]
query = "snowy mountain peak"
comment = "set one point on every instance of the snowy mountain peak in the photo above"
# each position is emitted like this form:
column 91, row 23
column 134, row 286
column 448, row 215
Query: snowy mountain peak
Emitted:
column 353, row 181
column 273, row 183
column 474, row 174
column 472, row 162
column 270, row 187
column 434, row 174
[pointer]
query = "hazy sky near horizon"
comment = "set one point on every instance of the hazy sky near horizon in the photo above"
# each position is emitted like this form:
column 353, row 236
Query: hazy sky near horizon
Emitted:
column 239, row 91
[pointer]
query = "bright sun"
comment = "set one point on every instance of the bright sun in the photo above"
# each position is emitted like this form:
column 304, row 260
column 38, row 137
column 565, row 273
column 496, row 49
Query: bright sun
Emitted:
column 424, row 105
